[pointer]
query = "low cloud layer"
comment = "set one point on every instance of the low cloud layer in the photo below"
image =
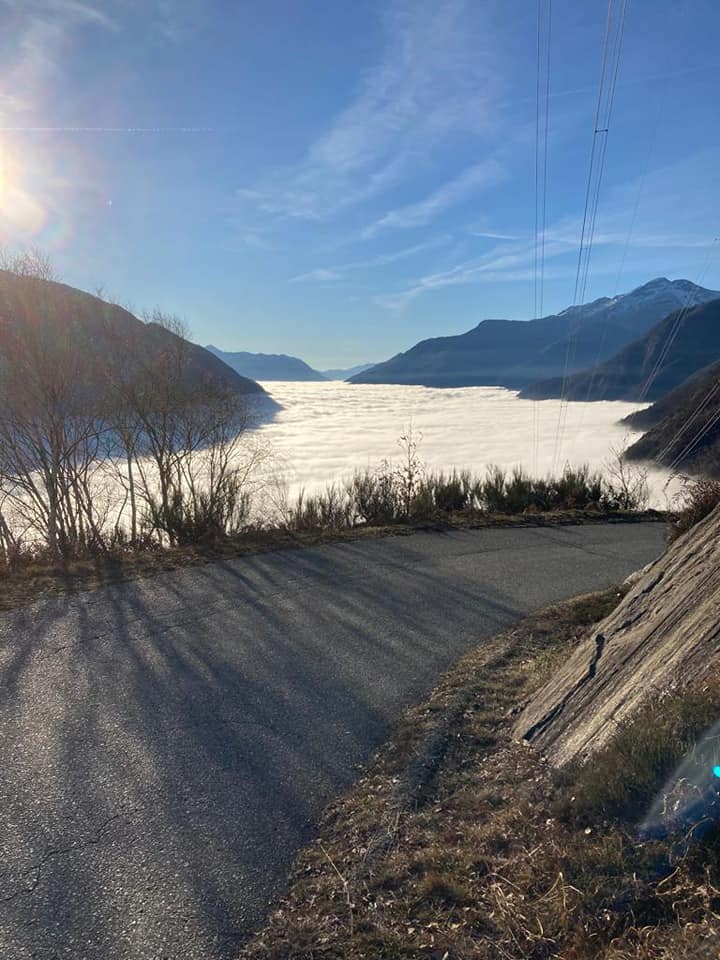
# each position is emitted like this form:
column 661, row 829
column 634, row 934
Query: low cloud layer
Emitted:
column 327, row 430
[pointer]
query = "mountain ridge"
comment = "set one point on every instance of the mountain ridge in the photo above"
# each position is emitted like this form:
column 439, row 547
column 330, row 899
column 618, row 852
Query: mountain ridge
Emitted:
column 103, row 330
column 344, row 373
column 645, row 369
column 267, row 366
column 516, row 353
column 683, row 426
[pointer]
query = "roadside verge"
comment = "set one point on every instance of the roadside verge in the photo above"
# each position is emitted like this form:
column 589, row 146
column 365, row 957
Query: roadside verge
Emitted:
column 458, row 842
column 36, row 578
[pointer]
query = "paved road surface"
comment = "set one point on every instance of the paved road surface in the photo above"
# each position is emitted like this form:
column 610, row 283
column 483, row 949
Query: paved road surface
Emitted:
column 166, row 745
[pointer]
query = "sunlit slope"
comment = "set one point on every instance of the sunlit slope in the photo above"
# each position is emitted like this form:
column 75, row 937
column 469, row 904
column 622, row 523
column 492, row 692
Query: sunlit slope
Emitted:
column 662, row 637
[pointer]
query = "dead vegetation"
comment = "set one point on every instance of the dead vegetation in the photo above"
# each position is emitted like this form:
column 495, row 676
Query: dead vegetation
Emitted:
column 458, row 843
column 697, row 499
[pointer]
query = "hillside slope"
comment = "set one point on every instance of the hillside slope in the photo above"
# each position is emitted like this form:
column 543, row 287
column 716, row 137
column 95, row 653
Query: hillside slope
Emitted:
column 683, row 427
column 662, row 636
column 646, row 369
column 515, row 353
column 267, row 366
column 102, row 333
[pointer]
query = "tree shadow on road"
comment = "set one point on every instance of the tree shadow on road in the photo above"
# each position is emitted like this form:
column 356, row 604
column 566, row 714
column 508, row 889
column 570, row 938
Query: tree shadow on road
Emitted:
column 171, row 742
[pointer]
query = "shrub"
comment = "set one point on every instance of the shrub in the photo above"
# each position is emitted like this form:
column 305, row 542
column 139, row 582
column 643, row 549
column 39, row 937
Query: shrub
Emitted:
column 452, row 493
column 577, row 487
column 626, row 485
column 330, row 510
column 189, row 516
column 375, row 496
column 492, row 490
column 698, row 498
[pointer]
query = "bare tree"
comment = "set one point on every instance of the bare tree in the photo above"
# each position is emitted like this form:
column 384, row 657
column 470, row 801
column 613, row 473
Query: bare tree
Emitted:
column 113, row 438
column 627, row 484
column 181, row 436
column 410, row 471
column 31, row 263
column 49, row 443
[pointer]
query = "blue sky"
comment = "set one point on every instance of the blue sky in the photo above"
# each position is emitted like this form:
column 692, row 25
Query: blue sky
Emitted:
column 338, row 180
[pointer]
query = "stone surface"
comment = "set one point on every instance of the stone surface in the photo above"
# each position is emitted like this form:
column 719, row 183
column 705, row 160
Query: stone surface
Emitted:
column 664, row 634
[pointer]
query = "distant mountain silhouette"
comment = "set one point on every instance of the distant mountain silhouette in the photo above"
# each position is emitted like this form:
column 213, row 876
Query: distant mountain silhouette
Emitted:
column 645, row 369
column 102, row 330
column 267, row 366
column 683, row 427
column 516, row 353
column 346, row 373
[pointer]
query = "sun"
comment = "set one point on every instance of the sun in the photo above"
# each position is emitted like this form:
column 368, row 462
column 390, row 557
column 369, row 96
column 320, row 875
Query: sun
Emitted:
column 20, row 209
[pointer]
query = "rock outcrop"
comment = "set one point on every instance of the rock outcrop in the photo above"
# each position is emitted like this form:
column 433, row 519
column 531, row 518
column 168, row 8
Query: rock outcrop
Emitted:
column 663, row 635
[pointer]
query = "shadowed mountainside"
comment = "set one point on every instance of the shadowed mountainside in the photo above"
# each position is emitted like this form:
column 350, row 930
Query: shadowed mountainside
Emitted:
column 683, row 427
column 646, row 368
column 106, row 335
column 514, row 353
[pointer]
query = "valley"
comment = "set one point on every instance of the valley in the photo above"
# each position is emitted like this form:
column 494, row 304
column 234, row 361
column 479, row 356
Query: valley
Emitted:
column 359, row 480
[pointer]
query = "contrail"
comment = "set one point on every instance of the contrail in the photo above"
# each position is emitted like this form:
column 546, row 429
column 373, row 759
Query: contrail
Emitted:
column 109, row 130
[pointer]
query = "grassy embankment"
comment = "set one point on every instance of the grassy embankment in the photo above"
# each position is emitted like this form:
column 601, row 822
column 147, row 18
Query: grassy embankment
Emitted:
column 458, row 843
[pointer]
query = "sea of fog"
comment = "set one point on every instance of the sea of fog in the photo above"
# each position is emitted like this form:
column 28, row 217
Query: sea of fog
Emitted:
column 324, row 431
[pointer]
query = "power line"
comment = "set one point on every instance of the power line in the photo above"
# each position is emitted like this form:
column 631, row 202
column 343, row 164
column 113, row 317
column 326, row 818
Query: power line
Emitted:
column 604, row 130
column 703, row 431
column 631, row 229
column 714, row 389
column 675, row 327
column 601, row 128
column 542, row 115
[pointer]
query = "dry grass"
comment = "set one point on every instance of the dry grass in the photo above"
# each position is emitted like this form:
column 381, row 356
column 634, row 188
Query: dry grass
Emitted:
column 34, row 577
column 698, row 498
column 457, row 843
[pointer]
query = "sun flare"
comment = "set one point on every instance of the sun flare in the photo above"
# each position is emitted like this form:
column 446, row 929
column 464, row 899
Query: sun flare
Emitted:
column 20, row 210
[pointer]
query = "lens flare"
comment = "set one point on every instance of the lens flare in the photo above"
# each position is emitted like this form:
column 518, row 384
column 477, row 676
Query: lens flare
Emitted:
column 20, row 210
column 691, row 797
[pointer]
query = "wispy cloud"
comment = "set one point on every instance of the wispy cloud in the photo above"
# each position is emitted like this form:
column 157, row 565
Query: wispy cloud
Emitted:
column 437, row 75
column 42, row 30
column 516, row 258
column 661, row 204
column 490, row 235
column 380, row 260
column 320, row 274
column 476, row 177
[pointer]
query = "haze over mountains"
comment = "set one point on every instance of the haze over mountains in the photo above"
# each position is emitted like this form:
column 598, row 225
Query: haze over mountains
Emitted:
column 267, row 366
column 515, row 354
column 344, row 373
column 280, row 366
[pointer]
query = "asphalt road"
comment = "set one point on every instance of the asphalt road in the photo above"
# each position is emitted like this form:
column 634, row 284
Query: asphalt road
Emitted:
column 166, row 745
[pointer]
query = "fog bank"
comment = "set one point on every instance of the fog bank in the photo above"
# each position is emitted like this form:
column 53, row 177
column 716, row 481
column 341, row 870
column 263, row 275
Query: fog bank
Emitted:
column 326, row 430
